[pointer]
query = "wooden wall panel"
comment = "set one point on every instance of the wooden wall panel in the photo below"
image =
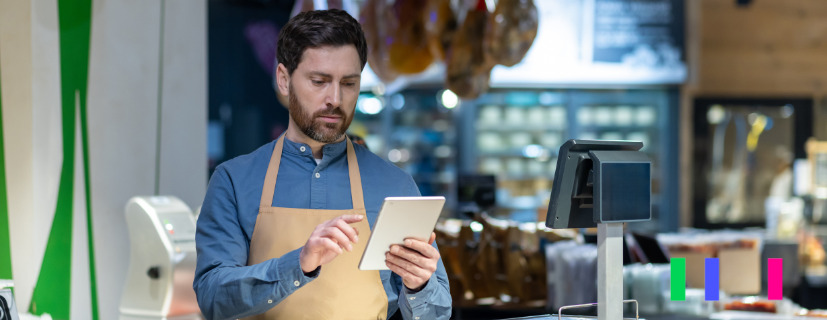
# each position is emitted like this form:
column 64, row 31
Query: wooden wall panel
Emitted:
column 769, row 48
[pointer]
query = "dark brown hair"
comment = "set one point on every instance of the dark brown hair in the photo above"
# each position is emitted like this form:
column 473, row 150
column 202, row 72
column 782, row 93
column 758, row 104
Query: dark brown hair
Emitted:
column 314, row 29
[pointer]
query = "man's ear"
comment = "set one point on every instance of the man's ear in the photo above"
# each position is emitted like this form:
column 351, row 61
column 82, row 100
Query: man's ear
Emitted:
column 282, row 80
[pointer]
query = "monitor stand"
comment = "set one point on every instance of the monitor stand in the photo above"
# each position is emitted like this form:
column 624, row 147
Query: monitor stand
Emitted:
column 609, row 275
column 610, row 271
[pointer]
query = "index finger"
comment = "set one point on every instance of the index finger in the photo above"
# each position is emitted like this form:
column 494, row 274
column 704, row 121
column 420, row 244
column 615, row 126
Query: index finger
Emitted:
column 347, row 229
column 352, row 218
column 422, row 247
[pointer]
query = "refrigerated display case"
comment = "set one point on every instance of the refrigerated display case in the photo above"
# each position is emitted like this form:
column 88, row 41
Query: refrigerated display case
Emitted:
column 515, row 134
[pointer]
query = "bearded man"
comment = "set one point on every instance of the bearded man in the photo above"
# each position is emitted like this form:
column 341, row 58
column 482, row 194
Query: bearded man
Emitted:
column 282, row 229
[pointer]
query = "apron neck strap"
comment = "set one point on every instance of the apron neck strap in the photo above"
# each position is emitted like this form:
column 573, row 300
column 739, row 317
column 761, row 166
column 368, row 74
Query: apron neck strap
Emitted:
column 273, row 170
column 355, row 177
column 272, row 173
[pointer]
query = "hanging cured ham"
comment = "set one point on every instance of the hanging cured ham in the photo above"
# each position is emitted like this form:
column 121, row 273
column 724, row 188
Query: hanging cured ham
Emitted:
column 409, row 52
column 440, row 26
column 374, row 18
column 467, row 66
column 511, row 31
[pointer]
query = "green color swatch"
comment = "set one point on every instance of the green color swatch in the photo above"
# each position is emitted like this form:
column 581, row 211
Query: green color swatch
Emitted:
column 677, row 283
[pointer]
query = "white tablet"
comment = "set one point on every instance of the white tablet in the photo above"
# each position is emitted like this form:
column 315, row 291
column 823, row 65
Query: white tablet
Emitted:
column 400, row 218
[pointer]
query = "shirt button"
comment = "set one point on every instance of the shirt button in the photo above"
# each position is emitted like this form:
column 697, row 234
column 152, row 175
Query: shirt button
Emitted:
column 416, row 318
column 318, row 175
column 412, row 298
column 270, row 301
column 297, row 283
column 302, row 148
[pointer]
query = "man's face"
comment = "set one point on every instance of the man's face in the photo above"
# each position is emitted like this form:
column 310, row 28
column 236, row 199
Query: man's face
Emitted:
column 323, row 91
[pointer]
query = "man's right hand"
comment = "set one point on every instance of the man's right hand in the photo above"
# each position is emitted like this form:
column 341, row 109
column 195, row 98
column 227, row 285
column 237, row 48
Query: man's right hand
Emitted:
column 328, row 241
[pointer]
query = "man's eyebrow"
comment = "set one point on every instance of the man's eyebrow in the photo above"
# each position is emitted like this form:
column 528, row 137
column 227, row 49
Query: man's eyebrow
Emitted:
column 320, row 74
column 327, row 75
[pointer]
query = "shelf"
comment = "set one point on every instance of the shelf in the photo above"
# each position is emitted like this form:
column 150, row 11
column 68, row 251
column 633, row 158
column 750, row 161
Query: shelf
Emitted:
column 584, row 127
column 509, row 177
column 512, row 177
column 521, row 128
column 513, row 154
column 526, row 176
column 552, row 153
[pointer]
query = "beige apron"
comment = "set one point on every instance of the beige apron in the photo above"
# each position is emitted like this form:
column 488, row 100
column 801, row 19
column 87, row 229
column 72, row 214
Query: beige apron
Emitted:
column 341, row 291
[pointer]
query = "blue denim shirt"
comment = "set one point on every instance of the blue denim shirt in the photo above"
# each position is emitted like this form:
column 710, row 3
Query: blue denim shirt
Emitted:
column 227, row 288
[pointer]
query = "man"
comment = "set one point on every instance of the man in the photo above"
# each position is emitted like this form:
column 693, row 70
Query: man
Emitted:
column 282, row 229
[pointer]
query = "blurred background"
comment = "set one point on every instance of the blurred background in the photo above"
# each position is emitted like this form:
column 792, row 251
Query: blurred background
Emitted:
column 104, row 100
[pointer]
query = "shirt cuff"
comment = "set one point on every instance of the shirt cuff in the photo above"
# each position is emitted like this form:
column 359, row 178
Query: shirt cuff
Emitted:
column 418, row 298
column 291, row 276
column 313, row 274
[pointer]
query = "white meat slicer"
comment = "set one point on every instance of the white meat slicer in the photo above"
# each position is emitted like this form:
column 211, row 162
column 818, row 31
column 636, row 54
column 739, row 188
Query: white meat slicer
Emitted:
column 162, row 261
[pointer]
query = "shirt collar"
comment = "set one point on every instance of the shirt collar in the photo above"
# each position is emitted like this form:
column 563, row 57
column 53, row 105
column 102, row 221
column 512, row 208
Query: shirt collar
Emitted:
column 329, row 151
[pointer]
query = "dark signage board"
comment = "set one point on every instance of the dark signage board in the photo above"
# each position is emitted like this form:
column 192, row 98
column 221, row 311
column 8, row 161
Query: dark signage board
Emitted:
column 641, row 32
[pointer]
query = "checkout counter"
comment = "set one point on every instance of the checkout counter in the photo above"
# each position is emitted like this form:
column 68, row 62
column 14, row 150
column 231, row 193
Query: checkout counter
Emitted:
column 162, row 261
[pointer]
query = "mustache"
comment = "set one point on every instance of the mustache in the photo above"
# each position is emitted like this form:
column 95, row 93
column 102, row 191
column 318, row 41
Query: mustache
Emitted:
column 330, row 112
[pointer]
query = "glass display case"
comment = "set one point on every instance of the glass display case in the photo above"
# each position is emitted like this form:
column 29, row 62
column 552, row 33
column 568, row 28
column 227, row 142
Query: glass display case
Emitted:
column 743, row 154
column 515, row 135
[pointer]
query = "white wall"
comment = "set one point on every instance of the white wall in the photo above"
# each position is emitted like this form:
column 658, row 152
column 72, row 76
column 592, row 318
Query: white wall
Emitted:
column 124, row 93
column 16, row 55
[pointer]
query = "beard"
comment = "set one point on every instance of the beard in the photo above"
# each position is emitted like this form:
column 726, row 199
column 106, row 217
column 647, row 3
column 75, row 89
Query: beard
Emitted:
column 311, row 126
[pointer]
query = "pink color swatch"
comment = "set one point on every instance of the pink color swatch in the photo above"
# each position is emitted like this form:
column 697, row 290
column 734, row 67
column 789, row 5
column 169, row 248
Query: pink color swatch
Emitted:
column 775, row 274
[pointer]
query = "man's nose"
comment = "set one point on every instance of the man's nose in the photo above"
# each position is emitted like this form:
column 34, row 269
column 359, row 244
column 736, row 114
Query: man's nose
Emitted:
column 334, row 95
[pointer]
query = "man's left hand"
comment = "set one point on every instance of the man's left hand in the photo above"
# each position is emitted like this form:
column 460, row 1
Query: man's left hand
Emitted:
column 415, row 261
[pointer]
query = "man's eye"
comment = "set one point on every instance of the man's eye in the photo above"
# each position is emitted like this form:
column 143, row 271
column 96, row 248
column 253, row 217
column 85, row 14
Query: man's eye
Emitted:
column 350, row 84
column 317, row 82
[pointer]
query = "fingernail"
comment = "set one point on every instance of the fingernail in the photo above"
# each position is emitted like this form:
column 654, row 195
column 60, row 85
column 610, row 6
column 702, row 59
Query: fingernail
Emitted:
column 408, row 242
